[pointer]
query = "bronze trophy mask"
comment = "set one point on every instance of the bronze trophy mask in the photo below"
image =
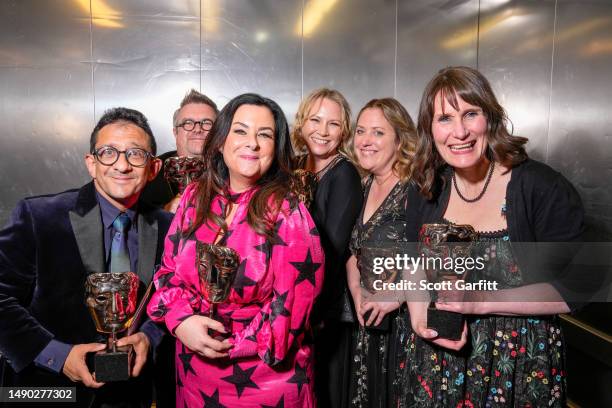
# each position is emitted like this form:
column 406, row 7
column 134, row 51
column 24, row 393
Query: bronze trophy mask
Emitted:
column 217, row 266
column 183, row 170
column 444, row 242
column 111, row 299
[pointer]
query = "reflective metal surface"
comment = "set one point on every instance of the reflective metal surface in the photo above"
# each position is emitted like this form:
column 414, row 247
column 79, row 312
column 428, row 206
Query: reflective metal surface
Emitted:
column 63, row 62
column 352, row 49
column 580, row 137
column 146, row 56
column 515, row 53
column 46, row 102
column 432, row 34
column 252, row 47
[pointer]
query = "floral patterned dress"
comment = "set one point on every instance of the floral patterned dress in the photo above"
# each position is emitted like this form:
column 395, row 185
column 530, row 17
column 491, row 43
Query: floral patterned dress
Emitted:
column 267, row 313
column 379, row 357
column 508, row 362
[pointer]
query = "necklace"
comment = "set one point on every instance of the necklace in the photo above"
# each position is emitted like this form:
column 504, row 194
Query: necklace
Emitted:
column 484, row 188
column 319, row 174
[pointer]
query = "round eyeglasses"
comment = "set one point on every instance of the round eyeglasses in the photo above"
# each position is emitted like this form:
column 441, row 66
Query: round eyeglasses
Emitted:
column 189, row 125
column 108, row 155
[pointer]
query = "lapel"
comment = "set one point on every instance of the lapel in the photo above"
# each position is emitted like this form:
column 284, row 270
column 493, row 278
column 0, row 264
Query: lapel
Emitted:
column 147, row 244
column 87, row 227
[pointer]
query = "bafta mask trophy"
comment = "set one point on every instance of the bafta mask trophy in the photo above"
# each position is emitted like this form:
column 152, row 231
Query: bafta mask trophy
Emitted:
column 217, row 266
column 441, row 243
column 183, row 170
column 111, row 299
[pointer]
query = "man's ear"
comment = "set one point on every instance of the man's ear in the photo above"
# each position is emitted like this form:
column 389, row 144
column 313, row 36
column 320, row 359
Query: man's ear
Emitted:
column 155, row 167
column 90, row 163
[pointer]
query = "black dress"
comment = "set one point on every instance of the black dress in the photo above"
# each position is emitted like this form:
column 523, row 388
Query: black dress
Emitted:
column 335, row 207
column 509, row 361
column 380, row 356
column 512, row 361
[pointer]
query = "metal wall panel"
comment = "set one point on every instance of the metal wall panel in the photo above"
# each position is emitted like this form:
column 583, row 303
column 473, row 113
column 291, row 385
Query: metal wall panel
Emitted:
column 432, row 34
column 46, row 110
column 146, row 56
column 252, row 47
column 351, row 48
column 580, row 139
column 515, row 54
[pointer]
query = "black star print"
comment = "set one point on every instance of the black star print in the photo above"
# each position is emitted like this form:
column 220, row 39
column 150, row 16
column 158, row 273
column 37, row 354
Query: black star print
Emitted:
column 164, row 280
column 279, row 404
column 269, row 244
column 244, row 322
column 212, row 401
column 185, row 358
column 179, row 383
column 270, row 360
column 299, row 377
column 191, row 236
column 241, row 281
column 241, row 379
column 176, row 240
column 161, row 310
column 296, row 332
column 307, row 269
column 278, row 306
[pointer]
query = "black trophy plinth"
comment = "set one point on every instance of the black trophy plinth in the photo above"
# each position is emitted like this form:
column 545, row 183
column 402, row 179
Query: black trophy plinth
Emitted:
column 113, row 365
column 449, row 325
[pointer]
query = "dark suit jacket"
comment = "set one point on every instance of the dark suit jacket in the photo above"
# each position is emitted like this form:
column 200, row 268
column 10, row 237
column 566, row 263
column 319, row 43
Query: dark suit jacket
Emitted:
column 47, row 249
column 160, row 191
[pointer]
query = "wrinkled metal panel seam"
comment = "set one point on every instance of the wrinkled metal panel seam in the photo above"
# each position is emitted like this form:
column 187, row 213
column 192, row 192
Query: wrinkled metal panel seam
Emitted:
column 478, row 36
column 552, row 71
column 302, row 56
column 201, row 45
column 91, row 62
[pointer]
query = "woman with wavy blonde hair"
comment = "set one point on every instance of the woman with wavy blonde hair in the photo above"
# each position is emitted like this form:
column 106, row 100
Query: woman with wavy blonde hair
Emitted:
column 384, row 145
column 320, row 131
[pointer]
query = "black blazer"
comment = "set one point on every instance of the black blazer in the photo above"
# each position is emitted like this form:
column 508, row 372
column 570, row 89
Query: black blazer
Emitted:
column 49, row 246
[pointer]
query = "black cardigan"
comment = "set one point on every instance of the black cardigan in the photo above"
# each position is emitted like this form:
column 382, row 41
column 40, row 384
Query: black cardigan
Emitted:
column 541, row 206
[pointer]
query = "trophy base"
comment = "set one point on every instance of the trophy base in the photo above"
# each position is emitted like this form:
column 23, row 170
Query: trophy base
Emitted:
column 449, row 325
column 112, row 366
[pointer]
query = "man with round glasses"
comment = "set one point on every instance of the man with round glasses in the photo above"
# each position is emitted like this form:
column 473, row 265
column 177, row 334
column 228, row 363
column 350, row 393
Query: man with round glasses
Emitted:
column 191, row 123
column 53, row 242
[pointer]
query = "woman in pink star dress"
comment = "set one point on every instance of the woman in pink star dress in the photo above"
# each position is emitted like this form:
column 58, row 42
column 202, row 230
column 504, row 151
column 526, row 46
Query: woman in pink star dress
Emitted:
column 243, row 202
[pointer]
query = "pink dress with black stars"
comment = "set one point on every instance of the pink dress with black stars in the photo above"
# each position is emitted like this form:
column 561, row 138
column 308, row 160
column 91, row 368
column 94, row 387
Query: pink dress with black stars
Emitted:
column 267, row 313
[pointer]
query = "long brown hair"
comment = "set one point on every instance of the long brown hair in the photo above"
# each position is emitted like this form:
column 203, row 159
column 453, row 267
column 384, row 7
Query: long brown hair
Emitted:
column 273, row 185
column 405, row 131
column 471, row 86
column 304, row 109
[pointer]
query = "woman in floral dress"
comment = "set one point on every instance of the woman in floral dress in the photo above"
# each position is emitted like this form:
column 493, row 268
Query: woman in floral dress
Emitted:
column 242, row 202
column 474, row 172
column 383, row 143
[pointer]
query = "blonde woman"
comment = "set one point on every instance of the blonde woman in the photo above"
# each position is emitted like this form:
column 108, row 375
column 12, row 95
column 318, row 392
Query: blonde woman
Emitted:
column 321, row 129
